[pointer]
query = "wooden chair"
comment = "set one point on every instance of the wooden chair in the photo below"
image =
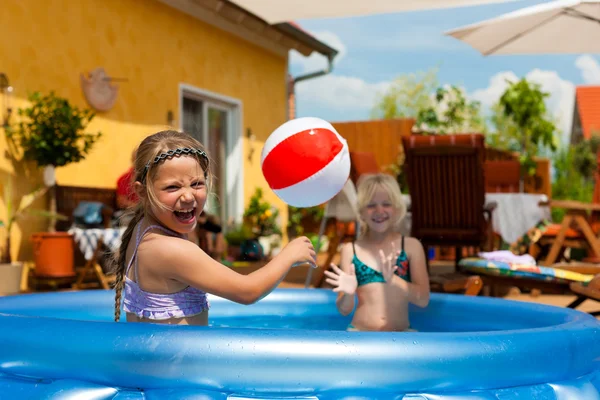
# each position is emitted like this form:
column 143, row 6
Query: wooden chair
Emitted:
column 502, row 176
column 68, row 197
column 91, row 275
column 445, row 176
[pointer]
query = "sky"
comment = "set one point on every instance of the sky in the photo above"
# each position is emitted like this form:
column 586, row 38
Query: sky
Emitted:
column 373, row 50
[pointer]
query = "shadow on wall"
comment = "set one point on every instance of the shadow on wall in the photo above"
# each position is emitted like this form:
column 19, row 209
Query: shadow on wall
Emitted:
column 26, row 177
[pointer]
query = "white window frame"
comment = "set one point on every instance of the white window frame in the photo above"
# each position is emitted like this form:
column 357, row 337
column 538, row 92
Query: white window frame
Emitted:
column 234, row 163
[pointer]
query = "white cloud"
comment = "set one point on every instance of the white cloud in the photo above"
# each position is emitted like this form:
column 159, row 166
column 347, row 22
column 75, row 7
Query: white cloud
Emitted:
column 590, row 69
column 340, row 92
column 356, row 96
column 316, row 61
column 498, row 83
column 560, row 103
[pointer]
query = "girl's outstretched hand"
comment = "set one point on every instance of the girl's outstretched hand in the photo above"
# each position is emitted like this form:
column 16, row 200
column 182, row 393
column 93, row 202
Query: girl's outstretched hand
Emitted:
column 388, row 264
column 342, row 281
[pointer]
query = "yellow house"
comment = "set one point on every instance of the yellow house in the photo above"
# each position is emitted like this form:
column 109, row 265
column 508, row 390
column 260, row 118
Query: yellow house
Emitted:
column 205, row 66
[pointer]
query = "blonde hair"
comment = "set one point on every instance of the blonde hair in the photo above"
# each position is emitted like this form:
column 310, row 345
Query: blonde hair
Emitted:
column 145, row 170
column 367, row 185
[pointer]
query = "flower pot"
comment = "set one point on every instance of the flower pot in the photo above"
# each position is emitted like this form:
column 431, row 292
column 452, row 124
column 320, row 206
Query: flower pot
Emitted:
column 10, row 278
column 252, row 250
column 54, row 254
column 234, row 252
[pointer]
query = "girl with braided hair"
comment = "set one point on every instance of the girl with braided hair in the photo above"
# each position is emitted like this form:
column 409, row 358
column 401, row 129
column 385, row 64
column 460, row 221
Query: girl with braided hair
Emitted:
column 161, row 275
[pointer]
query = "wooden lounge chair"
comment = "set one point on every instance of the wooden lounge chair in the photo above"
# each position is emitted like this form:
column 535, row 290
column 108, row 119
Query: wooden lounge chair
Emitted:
column 445, row 177
column 590, row 291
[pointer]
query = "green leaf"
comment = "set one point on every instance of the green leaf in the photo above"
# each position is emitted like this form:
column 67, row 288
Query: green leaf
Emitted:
column 48, row 214
column 29, row 199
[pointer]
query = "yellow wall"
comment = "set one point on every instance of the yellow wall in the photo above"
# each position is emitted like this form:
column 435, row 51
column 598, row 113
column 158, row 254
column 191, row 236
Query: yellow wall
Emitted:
column 47, row 44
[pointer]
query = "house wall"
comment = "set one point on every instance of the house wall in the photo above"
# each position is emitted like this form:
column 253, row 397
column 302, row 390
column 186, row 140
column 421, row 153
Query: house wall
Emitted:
column 47, row 44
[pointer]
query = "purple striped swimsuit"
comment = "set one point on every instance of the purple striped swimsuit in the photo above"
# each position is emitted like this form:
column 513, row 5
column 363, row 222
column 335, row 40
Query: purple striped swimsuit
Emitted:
column 159, row 306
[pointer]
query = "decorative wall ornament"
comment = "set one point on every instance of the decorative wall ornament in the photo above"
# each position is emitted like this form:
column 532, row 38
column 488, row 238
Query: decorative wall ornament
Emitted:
column 7, row 92
column 99, row 91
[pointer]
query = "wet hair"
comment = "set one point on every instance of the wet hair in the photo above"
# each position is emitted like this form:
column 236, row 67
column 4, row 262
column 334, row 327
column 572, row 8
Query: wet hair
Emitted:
column 152, row 152
column 368, row 184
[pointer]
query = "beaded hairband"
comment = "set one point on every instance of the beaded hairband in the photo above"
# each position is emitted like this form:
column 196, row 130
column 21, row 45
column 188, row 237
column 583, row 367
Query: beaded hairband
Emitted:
column 173, row 153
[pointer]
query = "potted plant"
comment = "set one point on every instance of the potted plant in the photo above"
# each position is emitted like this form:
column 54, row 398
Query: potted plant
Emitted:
column 235, row 237
column 11, row 271
column 449, row 113
column 262, row 218
column 52, row 134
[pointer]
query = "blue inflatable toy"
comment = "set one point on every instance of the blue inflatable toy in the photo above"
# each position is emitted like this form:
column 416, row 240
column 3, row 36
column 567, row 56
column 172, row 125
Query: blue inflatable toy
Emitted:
column 293, row 344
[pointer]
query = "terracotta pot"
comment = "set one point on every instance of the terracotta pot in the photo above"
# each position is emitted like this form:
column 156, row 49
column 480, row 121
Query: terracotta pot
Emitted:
column 54, row 254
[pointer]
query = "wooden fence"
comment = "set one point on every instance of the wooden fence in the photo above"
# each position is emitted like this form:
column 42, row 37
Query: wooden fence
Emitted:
column 381, row 137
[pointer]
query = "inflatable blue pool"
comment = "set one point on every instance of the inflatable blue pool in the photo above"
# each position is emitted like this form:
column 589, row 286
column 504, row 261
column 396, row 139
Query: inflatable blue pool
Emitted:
column 293, row 344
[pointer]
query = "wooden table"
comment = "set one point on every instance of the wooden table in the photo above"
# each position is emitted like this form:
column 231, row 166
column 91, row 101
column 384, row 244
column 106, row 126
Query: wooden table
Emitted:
column 576, row 216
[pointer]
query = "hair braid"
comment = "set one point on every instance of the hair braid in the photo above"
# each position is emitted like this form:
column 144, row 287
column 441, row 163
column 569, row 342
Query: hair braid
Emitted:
column 119, row 259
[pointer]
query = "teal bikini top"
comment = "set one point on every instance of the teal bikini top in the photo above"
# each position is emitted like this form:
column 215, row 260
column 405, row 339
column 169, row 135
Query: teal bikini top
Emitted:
column 366, row 274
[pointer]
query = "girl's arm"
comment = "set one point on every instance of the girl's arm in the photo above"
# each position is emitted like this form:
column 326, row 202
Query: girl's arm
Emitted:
column 345, row 301
column 418, row 290
column 183, row 261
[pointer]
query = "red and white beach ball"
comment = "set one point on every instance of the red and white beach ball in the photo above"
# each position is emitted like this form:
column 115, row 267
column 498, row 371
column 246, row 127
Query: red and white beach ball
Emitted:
column 305, row 162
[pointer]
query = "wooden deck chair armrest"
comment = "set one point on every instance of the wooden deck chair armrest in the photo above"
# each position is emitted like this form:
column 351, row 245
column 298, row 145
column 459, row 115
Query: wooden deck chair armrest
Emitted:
column 573, row 205
column 472, row 285
column 488, row 208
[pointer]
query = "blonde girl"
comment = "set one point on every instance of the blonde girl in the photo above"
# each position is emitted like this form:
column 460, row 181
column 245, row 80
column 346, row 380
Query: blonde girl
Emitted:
column 384, row 269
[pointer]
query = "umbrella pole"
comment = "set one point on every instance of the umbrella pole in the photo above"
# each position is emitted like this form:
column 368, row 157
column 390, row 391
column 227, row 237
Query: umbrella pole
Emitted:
column 321, row 232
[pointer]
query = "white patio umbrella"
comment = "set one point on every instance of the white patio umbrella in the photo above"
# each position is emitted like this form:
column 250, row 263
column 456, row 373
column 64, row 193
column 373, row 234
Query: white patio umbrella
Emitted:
column 557, row 27
column 277, row 11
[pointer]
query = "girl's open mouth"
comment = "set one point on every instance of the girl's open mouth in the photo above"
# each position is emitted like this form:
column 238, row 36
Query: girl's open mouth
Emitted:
column 185, row 216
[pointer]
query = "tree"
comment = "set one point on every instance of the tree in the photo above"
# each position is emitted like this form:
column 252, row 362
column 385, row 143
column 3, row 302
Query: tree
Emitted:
column 528, row 121
column 406, row 96
column 504, row 133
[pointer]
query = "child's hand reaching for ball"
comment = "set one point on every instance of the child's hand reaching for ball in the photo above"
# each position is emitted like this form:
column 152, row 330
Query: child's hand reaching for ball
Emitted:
column 301, row 252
